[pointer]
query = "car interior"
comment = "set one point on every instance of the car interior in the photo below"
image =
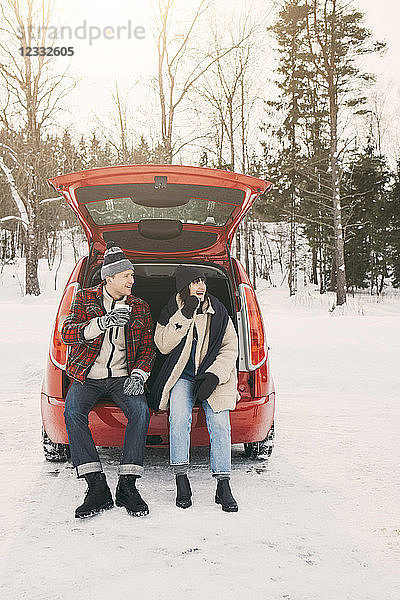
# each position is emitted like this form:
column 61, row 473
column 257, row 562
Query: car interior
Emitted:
column 155, row 283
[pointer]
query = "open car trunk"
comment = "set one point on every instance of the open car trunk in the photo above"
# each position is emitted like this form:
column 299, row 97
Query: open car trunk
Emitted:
column 168, row 210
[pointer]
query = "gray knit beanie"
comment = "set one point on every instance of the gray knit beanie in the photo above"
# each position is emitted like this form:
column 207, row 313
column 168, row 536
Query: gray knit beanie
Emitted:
column 114, row 261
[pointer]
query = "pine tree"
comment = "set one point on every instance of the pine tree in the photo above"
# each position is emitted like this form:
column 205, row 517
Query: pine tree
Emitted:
column 393, row 220
column 336, row 38
column 289, row 31
column 365, row 211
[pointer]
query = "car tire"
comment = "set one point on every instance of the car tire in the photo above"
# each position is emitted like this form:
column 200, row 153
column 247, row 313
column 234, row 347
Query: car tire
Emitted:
column 54, row 452
column 261, row 450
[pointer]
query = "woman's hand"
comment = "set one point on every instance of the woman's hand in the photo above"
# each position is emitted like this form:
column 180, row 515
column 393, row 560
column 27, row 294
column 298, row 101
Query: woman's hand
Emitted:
column 204, row 385
column 191, row 305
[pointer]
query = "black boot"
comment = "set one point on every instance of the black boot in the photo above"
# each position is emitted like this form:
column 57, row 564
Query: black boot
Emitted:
column 127, row 495
column 98, row 496
column 224, row 496
column 183, row 491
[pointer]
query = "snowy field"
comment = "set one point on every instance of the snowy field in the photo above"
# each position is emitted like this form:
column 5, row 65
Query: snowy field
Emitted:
column 319, row 520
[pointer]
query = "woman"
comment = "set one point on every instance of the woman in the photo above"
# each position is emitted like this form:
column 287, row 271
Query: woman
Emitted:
column 195, row 332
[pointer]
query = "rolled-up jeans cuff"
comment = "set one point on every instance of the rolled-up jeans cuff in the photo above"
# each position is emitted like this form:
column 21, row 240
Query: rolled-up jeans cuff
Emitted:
column 221, row 475
column 181, row 469
column 92, row 467
column 130, row 470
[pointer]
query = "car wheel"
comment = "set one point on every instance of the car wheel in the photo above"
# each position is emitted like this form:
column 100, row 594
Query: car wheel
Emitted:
column 54, row 452
column 261, row 450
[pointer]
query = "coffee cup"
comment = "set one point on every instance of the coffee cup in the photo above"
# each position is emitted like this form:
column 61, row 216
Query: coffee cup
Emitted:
column 123, row 308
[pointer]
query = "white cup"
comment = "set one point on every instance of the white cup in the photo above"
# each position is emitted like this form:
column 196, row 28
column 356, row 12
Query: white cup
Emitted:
column 123, row 308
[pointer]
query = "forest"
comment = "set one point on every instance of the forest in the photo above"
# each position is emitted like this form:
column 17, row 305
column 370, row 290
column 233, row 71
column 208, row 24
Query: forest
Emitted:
column 313, row 127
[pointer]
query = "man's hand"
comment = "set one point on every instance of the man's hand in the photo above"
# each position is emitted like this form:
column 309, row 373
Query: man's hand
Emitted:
column 115, row 318
column 191, row 304
column 134, row 385
column 204, row 385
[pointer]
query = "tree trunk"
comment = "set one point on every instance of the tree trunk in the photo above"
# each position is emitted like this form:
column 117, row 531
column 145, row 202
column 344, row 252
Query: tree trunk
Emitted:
column 322, row 286
column 336, row 200
column 242, row 124
column 167, row 142
column 339, row 242
column 231, row 134
column 292, row 275
column 32, row 239
column 381, row 285
column 332, row 276
column 373, row 282
column 59, row 262
column 314, row 268
column 31, row 268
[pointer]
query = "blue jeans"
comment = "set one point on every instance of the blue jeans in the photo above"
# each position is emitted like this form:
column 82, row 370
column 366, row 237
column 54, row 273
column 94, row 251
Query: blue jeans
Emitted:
column 79, row 402
column 181, row 402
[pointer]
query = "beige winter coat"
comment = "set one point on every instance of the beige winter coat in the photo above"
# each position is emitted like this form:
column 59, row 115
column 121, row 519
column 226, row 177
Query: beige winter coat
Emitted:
column 168, row 336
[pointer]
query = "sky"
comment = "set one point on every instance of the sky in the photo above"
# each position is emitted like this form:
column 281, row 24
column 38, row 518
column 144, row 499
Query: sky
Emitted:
column 383, row 18
column 98, row 63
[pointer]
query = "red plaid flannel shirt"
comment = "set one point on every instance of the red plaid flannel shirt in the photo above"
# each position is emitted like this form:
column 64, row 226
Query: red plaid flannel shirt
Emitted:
column 88, row 304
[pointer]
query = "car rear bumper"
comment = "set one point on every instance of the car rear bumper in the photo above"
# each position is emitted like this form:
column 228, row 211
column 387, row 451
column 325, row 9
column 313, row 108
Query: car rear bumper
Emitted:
column 250, row 422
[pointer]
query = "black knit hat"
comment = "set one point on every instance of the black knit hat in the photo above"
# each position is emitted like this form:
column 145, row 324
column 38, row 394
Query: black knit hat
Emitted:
column 185, row 275
column 114, row 261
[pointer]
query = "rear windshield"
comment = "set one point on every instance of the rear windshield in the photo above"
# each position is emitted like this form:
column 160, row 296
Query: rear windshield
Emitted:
column 204, row 205
column 124, row 210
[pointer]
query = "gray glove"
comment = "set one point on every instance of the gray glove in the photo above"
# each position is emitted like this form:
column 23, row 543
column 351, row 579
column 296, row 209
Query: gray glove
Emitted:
column 134, row 385
column 115, row 318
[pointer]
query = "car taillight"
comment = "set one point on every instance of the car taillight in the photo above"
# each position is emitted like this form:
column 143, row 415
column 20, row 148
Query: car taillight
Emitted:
column 255, row 329
column 58, row 350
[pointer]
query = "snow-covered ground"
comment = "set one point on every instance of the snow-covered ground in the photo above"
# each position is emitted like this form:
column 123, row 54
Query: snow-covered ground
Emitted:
column 319, row 520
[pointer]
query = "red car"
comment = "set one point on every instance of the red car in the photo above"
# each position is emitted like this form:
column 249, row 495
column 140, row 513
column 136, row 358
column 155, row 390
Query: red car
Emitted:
column 162, row 216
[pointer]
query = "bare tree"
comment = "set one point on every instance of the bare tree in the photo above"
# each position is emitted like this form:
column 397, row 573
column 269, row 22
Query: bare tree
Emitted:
column 180, row 67
column 119, row 134
column 122, row 118
column 225, row 94
column 32, row 94
column 230, row 90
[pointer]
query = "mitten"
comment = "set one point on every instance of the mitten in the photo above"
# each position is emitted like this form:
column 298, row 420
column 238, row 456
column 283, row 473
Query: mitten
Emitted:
column 204, row 385
column 191, row 304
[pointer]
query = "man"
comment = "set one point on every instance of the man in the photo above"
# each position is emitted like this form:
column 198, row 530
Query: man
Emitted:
column 110, row 334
